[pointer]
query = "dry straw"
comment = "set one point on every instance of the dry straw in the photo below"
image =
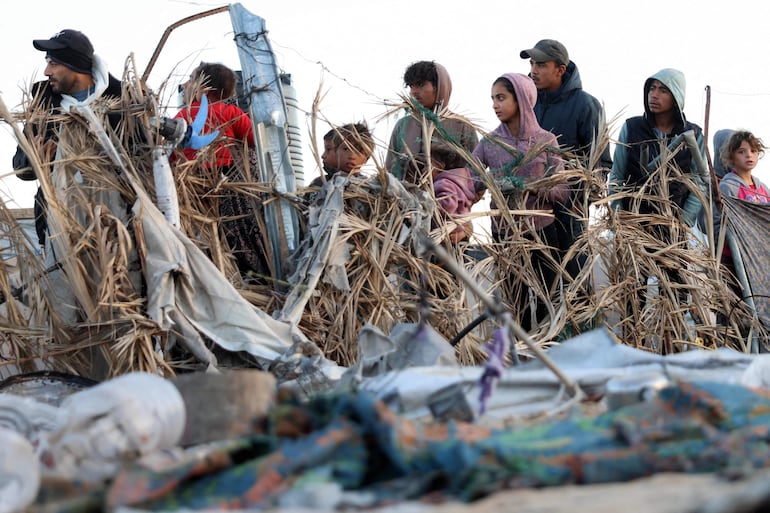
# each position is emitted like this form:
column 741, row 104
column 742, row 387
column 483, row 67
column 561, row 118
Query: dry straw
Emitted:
column 100, row 251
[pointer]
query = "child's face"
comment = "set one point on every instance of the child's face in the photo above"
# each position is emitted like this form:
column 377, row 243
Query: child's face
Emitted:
column 350, row 160
column 659, row 98
column 745, row 158
column 192, row 90
column 424, row 93
column 505, row 106
column 329, row 156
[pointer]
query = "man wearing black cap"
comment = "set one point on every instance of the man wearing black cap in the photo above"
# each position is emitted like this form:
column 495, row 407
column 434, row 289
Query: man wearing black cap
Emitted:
column 75, row 76
column 77, row 79
column 575, row 117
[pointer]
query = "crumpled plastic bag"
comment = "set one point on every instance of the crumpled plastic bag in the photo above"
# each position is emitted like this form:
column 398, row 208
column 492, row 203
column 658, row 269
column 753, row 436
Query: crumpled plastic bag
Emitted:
column 19, row 472
column 118, row 420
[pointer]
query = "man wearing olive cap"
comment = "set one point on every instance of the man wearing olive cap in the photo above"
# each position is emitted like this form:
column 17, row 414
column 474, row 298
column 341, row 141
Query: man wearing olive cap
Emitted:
column 575, row 117
column 76, row 75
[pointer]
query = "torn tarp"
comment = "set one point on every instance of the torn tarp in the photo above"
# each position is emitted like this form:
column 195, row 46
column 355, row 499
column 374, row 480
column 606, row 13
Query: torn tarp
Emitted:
column 750, row 224
column 408, row 345
column 317, row 256
column 186, row 292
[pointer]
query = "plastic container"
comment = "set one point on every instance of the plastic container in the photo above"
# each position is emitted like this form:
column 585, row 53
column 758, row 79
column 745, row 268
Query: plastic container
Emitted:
column 293, row 129
column 46, row 386
column 165, row 187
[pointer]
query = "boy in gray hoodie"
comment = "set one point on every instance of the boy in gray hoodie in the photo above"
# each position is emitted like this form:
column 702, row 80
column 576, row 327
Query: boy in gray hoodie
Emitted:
column 640, row 141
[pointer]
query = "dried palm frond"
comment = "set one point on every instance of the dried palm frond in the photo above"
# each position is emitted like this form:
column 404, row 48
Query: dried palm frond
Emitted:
column 666, row 290
column 386, row 280
column 414, row 275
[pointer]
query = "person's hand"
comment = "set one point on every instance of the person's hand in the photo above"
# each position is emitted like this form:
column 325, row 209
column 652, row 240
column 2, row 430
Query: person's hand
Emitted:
column 507, row 185
column 47, row 148
column 194, row 138
column 458, row 234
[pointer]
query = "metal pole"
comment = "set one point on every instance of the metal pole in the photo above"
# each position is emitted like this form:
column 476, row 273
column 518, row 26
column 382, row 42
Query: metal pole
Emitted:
column 498, row 309
column 269, row 114
column 168, row 31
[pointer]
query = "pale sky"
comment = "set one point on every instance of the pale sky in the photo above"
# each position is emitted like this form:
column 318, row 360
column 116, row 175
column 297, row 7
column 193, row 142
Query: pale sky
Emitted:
column 356, row 51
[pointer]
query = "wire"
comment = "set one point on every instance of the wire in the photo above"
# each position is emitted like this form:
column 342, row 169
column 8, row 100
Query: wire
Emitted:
column 470, row 327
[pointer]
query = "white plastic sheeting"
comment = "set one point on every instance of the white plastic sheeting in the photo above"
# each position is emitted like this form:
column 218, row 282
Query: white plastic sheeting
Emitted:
column 591, row 360
column 186, row 292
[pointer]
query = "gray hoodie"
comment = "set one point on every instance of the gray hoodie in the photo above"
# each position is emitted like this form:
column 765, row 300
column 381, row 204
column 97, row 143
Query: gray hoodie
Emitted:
column 641, row 131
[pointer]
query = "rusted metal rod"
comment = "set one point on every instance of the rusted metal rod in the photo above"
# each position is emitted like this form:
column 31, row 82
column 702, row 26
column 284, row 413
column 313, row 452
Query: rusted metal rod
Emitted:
column 170, row 29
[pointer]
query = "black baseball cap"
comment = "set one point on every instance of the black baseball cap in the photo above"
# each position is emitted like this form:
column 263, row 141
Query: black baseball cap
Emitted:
column 69, row 47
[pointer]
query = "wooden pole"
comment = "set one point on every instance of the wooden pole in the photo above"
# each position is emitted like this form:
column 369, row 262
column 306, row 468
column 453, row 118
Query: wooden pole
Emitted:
column 706, row 117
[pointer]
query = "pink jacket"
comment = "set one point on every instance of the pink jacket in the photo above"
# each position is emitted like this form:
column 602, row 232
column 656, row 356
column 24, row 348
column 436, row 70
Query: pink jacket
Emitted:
column 455, row 192
column 499, row 159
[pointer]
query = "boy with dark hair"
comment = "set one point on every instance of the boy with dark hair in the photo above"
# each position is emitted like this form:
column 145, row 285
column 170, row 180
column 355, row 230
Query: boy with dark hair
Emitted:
column 219, row 80
column 349, row 147
column 421, row 72
column 329, row 156
column 640, row 141
column 354, row 147
column 430, row 86
column 237, row 211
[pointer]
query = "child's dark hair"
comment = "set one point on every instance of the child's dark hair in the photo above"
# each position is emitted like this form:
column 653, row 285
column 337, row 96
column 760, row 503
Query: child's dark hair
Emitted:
column 508, row 86
column 218, row 78
column 420, row 72
column 734, row 142
column 357, row 136
column 329, row 136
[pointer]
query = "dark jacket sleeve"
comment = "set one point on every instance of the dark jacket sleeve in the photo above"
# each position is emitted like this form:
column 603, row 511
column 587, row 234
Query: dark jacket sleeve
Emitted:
column 592, row 117
column 43, row 95
column 21, row 165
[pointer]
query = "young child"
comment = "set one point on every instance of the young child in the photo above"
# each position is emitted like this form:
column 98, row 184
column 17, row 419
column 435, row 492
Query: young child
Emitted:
column 354, row 147
column 346, row 150
column 741, row 154
column 518, row 149
column 237, row 211
column 217, row 81
column 329, row 156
